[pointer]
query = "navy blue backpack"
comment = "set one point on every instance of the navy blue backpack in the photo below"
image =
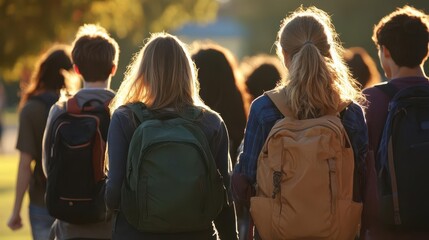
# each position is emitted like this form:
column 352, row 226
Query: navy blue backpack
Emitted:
column 402, row 160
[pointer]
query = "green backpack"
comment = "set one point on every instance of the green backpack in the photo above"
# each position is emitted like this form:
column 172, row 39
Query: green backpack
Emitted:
column 172, row 183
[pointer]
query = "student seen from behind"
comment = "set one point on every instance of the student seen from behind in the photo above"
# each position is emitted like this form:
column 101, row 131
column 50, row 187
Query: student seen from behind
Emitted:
column 161, row 83
column 401, row 38
column 37, row 97
column 95, row 59
column 317, row 83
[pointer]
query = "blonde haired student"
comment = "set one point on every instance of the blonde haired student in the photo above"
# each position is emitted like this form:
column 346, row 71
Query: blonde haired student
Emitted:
column 317, row 83
column 162, row 78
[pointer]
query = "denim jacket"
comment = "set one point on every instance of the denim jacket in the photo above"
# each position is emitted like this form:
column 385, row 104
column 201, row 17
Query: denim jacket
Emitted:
column 262, row 117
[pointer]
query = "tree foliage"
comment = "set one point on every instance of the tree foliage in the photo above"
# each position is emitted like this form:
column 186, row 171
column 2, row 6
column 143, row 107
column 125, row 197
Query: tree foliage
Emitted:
column 353, row 20
column 29, row 26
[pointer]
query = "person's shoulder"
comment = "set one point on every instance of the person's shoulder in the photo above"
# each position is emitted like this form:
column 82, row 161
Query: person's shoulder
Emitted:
column 353, row 111
column 375, row 97
column 33, row 106
column 262, row 102
column 374, row 90
column 354, row 107
column 264, row 110
column 123, row 111
column 211, row 116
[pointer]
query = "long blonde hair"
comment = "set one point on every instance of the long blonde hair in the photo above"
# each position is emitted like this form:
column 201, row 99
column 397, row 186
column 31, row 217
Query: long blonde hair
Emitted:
column 161, row 75
column 318, row 80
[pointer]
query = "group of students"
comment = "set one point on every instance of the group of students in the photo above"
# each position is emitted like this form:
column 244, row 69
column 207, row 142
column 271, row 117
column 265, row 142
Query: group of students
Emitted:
column 165, row 77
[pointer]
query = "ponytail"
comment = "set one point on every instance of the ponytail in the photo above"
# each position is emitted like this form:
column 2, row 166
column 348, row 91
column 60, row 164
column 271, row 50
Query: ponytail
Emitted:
column 318, row 80
column 309, row 87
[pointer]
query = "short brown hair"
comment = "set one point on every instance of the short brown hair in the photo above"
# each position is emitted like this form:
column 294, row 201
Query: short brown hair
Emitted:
column 94, row 53
column 405, row 33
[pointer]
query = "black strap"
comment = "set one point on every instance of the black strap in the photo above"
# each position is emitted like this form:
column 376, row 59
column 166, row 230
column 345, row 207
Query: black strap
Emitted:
column 388, row 89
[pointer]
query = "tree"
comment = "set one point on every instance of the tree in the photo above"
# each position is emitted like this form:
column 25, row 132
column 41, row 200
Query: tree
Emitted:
column 353, row 20
column 29, row 26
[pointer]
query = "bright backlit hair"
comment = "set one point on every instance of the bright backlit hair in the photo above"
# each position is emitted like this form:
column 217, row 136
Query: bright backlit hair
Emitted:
column 318, row 80
column 48, row 74
column 405, row 33
column 161, row 75
column 94, row 53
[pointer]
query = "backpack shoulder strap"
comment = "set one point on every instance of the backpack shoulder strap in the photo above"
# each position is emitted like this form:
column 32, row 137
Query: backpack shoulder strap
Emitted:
column 193, row 113
column 278, row 96
column 139, row 110
column 142, row 113
column 388, row 89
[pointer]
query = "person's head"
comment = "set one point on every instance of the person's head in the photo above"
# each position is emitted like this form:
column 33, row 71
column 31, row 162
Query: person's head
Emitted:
column 261, row 73
column 161, row 75
column 318, row 79
column 95, row 54
column 48, row 74
column 362, row 67
column 404, row 36
column 217, row 75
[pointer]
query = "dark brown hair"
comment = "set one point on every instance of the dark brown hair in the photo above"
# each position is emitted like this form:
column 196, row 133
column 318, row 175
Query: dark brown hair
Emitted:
column 47, row 74
column 405, row 33
column 94, row 53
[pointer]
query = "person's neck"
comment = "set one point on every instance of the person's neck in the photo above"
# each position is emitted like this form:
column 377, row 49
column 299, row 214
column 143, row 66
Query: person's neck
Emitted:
column 97, row 84
column 402, row 72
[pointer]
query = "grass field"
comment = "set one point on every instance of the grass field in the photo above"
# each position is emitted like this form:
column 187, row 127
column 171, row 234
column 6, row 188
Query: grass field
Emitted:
column 8, row 171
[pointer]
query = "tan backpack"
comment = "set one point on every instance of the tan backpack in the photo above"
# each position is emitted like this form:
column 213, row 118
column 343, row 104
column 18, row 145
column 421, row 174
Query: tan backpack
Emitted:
column 305, row 180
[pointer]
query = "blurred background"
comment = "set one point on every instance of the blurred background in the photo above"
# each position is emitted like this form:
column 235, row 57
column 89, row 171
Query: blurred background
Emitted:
column 246, row 27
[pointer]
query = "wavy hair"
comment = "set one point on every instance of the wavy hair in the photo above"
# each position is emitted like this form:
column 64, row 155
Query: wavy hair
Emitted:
column 405, row 32
column 48, row 74
column 161, row 75
column 318, row 80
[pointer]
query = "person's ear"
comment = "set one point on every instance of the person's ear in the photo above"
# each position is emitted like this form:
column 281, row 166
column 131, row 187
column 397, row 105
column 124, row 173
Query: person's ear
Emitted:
column 113, row 71
column 385, row 52
column 76, row 69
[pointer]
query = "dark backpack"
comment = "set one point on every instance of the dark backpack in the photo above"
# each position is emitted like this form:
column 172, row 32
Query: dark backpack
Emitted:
column 403, row 158
column 76, row 163
column 172, row 183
